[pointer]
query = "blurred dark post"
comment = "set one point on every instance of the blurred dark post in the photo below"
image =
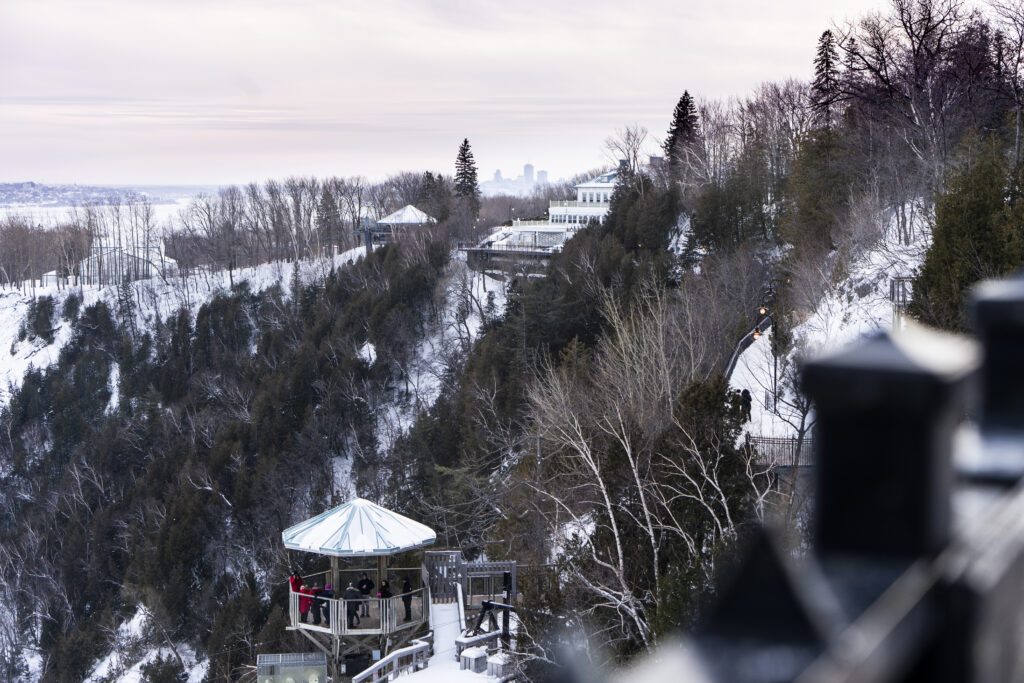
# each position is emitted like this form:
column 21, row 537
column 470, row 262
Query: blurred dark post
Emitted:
column 985, row 581
column 887, row 412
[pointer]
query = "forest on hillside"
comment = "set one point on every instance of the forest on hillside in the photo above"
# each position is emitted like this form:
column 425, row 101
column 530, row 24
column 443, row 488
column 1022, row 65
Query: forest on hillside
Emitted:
column 587, row 430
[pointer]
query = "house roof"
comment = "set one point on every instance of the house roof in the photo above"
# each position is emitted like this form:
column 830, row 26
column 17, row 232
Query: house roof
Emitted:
column 407, row 215
column 358, row 528
column 602, row 181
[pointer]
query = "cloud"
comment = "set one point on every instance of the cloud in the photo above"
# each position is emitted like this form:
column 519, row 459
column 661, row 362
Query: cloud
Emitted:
column 179, row 90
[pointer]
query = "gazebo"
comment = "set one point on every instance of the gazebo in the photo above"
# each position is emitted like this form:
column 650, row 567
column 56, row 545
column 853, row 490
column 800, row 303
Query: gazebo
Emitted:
column 406, row 218
column 358, row 529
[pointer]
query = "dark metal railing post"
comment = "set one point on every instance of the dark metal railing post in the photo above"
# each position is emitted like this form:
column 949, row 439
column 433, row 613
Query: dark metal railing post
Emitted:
column 887, row 410
column 984, row 580
column 997, row 313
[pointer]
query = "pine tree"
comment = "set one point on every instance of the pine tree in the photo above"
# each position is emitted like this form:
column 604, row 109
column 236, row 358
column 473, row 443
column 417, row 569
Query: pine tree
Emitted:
column 328, row 219
column 466, row 188
column 978, row 234
column 682, row 133
column 825, row 88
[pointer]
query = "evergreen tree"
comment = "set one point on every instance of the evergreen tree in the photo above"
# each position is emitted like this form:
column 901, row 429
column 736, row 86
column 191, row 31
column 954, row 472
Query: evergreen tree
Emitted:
column 328, row 218
column 435, row 196
column 979, row 224
column 682, row 133
column 825, row 88
column 816, row 194
column 466, row 188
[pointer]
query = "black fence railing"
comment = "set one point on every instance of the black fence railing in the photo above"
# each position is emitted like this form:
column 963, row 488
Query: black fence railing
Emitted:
column 774, row 451
column 901, row 289
column 916, row 565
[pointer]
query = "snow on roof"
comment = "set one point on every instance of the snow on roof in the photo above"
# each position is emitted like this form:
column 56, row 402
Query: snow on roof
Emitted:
column 407, row 215
column 358, row 528
column 603, row 180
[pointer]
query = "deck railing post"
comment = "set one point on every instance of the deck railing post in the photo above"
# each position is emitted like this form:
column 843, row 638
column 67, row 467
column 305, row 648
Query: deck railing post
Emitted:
column 887, row 410
column 997, row 312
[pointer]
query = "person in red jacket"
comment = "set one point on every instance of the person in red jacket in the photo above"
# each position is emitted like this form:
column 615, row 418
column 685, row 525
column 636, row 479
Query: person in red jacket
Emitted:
column 295, row 581
column 305, row 602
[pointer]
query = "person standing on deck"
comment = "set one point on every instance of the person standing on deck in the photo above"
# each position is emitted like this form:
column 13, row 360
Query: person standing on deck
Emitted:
column 305, row 602
column 365, row 587
column 318, row 604
column 327, row 592
column 407, row 598
column 353, row 598
column 385, row 596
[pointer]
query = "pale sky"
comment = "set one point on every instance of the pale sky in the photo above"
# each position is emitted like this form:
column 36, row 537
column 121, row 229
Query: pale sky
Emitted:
column 215, row 92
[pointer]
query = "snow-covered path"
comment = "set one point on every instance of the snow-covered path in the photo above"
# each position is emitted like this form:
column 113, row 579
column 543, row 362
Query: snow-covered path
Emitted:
column 443, row 667
column 849, row 309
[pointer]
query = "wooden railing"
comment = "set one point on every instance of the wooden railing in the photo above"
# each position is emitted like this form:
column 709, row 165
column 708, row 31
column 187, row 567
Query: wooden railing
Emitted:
column 573, row 204
column 385, row 615
column 405, row 660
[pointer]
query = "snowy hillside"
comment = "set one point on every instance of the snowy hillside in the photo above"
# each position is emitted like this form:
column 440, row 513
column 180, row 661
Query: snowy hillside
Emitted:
column 155, row 298
column 857, row 305
column 466, row 300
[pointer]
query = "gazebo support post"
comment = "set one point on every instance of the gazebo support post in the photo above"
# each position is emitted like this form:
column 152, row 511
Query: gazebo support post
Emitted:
column 336, row 576
column 380, row 571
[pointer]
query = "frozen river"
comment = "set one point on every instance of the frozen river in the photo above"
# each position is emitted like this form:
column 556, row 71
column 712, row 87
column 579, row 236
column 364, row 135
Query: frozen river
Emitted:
column 49, row 215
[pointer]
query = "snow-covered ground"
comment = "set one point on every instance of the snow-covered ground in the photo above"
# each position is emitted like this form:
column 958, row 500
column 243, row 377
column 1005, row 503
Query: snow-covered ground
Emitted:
column 443, row 667
column 155, row 297
column 129, row 653
column 849, row 309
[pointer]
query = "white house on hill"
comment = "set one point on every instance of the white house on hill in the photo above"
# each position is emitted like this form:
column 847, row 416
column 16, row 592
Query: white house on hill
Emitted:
column 114, row 265
column 593, row 199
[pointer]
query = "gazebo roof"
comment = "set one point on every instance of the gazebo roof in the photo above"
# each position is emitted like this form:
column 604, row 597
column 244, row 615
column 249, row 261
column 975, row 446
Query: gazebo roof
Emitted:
column 358, row 528
column 407, row 215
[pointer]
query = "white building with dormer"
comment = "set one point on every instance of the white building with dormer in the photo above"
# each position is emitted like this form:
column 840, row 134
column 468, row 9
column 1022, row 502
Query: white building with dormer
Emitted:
column 535, row 239
column 593, row 198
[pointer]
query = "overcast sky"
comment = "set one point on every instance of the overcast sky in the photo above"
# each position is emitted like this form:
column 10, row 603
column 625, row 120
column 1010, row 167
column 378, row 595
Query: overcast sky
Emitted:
column 212, row 92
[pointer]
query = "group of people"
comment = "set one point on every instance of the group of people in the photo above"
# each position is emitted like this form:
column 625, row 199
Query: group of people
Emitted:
column 357, row 599
column 312, row 599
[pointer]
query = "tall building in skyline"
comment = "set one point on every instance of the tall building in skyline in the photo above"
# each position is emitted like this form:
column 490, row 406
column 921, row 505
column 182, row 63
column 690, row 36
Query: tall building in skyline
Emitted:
column 528, row 173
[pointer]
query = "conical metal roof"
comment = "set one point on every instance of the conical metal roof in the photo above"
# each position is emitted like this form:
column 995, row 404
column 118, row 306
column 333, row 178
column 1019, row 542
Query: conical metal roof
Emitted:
column 407, row 215
column 358, row 528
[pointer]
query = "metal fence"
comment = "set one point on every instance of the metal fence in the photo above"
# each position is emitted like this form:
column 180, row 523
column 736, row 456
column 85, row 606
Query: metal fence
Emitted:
column 901, row 290
column 915, row 571
column 480, row 579
column 773, row 451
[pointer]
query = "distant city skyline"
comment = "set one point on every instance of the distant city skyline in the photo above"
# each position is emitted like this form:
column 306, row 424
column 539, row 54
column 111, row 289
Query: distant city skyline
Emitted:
column 519, row 184
column 178, row 92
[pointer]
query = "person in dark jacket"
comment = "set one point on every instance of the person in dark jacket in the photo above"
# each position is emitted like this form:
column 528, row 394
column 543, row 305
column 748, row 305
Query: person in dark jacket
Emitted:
column 353, row 598
column 327, row 592
column 365, row 587
column 746, row 402
column 407, row 598
column 385, row 596
column 317, row 607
